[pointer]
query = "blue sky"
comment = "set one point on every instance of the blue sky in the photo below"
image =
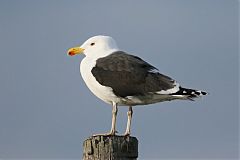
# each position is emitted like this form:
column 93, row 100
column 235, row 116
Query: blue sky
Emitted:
column 46, row 110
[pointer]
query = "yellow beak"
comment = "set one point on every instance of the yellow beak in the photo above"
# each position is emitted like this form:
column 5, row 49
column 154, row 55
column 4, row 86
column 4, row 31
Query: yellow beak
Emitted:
column 75, row 50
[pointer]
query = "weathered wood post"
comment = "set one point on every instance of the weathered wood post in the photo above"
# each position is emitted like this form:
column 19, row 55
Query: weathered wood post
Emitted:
column 110, row 148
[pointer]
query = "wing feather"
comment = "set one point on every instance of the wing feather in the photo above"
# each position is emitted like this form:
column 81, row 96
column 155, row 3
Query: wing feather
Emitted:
column 129, row 75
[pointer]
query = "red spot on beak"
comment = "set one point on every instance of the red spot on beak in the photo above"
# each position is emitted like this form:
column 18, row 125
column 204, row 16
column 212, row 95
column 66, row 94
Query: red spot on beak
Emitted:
column 71, row 53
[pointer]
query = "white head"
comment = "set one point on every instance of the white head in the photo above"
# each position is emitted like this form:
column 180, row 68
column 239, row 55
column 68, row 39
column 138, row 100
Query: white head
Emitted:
column 95, row 47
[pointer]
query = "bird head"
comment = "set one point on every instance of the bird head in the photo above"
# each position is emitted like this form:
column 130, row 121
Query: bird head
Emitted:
column 96, row 46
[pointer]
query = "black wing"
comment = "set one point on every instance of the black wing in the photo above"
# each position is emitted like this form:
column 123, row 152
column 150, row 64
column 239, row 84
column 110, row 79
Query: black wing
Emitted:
column 129, row 75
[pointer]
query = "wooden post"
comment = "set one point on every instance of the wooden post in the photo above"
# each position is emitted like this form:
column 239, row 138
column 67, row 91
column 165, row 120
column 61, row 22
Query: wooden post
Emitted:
column 110, row 148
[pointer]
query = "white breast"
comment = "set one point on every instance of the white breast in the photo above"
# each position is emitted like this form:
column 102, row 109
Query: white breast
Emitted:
column 102, row 92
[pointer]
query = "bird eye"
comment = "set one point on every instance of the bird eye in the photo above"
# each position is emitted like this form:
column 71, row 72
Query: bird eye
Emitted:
column 92, row 44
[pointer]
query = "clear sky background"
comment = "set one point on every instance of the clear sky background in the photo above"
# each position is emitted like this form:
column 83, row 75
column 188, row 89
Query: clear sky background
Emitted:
column 46, row 110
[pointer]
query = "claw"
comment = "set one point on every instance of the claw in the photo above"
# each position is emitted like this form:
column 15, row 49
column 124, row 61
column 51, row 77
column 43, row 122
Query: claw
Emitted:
column 126, row 134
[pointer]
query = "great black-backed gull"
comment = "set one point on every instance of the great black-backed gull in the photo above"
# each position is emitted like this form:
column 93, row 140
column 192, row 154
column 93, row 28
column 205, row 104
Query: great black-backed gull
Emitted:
column 122, row 79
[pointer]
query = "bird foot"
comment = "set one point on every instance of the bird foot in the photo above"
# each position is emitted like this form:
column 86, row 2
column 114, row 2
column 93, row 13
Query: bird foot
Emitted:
column 105, row 134
column 126, row 134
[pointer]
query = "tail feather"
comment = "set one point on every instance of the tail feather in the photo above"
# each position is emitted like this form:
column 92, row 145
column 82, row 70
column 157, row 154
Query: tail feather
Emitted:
column 190, row 93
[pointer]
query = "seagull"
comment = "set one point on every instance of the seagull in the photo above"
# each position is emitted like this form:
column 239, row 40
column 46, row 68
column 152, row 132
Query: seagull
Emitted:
column 122, row 79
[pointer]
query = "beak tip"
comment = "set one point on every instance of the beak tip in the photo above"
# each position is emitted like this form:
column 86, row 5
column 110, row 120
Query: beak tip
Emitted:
column 71, row 53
